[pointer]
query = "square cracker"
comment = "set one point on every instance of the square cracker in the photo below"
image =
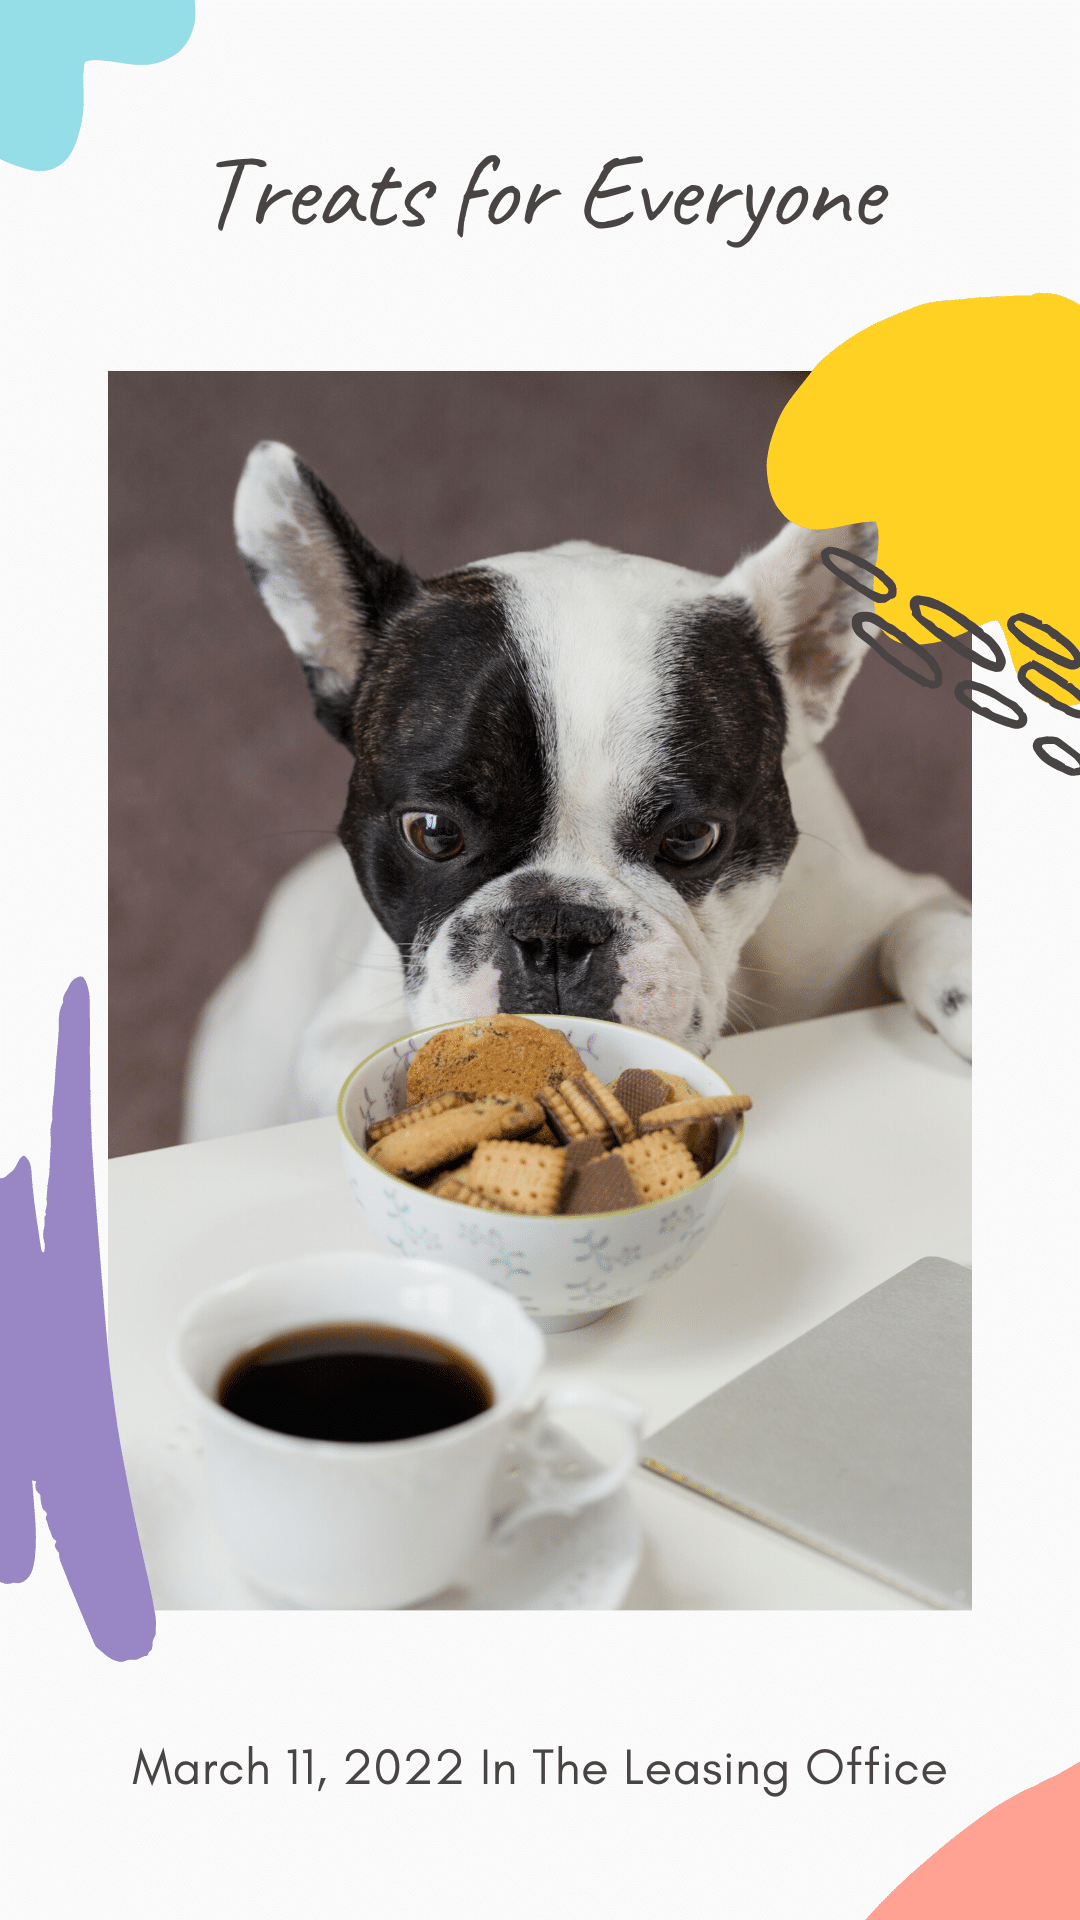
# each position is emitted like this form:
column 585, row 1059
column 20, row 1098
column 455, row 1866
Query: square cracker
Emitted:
column 518, row 1176
column 659, row 1166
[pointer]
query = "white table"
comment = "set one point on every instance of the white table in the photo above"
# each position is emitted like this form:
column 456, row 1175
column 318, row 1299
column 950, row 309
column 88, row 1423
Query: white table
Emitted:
column 856, row 1163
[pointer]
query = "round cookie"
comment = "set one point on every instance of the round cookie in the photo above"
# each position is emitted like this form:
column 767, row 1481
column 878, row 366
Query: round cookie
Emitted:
column 500, row 1053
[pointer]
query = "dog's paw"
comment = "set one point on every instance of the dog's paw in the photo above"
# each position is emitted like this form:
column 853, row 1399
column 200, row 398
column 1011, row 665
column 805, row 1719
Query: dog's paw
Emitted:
column 926, row 959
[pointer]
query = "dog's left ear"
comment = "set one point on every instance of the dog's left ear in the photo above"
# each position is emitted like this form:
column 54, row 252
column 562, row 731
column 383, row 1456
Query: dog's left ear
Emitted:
column 804, row 613
column 330, row 591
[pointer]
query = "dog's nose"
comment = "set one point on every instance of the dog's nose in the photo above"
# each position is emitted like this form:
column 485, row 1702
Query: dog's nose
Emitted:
column 559, row 958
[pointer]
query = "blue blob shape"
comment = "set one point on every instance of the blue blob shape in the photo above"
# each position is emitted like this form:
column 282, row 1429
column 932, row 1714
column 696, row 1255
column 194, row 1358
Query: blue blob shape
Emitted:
column 44, row 45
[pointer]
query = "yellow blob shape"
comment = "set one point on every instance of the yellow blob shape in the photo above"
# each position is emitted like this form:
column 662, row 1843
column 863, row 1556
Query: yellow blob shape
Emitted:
column 956, row 427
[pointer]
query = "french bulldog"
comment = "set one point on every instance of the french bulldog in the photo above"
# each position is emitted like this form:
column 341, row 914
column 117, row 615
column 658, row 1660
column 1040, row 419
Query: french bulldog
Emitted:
column 582, row 782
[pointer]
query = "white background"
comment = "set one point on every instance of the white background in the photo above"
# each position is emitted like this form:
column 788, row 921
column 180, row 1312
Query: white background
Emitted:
column 113, row 260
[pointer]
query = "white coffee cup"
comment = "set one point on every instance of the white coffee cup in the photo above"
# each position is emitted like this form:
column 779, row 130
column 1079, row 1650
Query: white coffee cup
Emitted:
column 339, row 1524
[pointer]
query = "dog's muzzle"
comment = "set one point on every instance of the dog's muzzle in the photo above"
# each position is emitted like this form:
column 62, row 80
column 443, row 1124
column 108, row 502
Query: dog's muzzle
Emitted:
column 555, row 956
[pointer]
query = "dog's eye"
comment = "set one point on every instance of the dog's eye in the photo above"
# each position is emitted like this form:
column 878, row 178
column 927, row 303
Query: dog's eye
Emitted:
column 434, row 834
column 689, row 840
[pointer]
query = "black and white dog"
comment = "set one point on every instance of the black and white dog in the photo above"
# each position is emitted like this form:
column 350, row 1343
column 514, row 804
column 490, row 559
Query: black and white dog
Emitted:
column 582, row 783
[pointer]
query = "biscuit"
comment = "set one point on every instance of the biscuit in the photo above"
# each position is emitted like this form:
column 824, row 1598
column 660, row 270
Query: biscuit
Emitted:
column 587, row 1109
column 604, row 1185
column 426, row 1109
column 702, row 1140
column 450, row 1186
column 562, row 1119
column 701, row 1136
column 436, row 1142
column 644, row 1091
column 678, row 1113
column 638, row 1090
column 501, row 1053
column 517, row 1176
column 580, row 1152
column 622, row 1126
column 680, row 1089
column 659, row 1166
column 426, row 1181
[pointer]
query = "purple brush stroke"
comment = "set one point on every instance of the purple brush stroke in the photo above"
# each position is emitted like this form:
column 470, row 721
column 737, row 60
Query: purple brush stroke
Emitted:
column 19, row 1269
column 57, row 1420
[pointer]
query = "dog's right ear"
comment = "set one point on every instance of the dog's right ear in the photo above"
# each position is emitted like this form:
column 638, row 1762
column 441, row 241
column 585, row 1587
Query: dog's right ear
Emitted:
column 330, row 591
column 804, row 611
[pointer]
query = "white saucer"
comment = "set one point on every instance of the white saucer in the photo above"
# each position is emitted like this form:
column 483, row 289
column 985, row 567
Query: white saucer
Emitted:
column 586, row 1561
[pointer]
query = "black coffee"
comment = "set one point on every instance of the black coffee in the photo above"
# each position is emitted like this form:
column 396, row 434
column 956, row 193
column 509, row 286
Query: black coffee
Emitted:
column 357, row 1383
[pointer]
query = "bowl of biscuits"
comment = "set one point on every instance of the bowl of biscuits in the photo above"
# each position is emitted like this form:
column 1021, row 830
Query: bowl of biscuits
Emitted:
column 575, row 1163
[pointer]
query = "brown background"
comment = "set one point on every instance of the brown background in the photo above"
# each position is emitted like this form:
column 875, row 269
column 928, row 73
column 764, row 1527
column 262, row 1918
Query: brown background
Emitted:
column 221, row 779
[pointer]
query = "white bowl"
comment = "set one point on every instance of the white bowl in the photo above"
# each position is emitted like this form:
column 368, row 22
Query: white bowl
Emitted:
column 564, row 1270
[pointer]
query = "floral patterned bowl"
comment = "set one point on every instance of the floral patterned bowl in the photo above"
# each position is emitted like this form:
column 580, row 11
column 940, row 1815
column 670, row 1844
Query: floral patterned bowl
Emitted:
column 567, row 1270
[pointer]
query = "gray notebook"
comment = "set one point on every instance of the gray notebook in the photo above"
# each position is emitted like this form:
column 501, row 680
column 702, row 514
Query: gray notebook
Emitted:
column 856, row 1438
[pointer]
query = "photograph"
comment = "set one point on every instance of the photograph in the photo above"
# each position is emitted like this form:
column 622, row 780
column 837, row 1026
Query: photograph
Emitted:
column 524, row 879
column 537, row 1320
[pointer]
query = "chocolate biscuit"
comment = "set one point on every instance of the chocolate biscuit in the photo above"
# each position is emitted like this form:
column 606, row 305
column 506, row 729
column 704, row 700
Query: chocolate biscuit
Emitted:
column 603, row 1185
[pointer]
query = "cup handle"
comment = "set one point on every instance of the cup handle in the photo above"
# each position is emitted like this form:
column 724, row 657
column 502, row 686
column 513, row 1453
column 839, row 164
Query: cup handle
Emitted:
column 538, row 1444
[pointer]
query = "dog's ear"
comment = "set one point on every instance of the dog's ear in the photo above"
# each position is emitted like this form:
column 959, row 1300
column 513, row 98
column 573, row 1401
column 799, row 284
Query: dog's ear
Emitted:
column 329, row 590
column 804, row 612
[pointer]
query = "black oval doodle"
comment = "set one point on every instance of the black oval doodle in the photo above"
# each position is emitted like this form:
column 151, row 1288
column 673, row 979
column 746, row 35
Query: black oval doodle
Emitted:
column 966, row 689
column 996, row 659
column 1031, row 667
column 1071, row 655
column 858, row 623
column 1048, row 740
column 841, row 553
